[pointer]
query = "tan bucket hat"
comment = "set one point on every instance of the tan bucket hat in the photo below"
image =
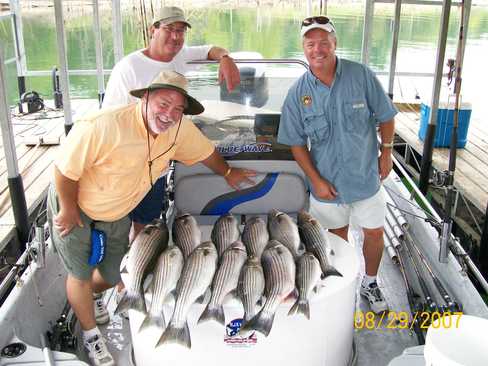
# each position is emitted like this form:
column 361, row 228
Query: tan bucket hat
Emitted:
column 170, row 14
column 173, row 81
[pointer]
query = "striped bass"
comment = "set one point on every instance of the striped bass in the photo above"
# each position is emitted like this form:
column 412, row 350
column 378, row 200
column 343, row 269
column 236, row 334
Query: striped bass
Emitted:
column 279, row 272
column 313, row 236
column 308, row 276
column 225, row 281
column 143, row 254
column 225, row 232
column 282, row 228
column 186, row 234
column 195, row 279
column 255, row 236
column 165, row 278
column 251, row 286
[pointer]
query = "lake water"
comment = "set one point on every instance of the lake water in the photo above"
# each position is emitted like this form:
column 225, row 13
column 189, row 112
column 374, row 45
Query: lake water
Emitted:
column 273, row 32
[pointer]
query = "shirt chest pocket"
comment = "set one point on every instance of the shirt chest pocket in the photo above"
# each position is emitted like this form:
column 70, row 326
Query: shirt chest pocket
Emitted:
column 317, row 127
column 357, row 115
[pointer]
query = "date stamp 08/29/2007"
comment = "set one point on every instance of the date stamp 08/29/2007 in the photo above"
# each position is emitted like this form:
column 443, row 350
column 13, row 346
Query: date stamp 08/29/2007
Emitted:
column 404, row 320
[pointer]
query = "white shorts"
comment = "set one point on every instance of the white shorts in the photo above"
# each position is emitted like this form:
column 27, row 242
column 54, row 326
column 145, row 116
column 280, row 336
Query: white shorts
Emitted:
column 368, row 213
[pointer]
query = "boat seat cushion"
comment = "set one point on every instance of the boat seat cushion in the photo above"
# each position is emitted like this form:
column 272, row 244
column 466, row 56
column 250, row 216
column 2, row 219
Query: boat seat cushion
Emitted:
column 209, row 194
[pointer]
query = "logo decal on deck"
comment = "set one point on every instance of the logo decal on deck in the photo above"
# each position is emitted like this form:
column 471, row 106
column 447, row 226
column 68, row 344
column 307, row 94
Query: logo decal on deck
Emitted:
column 234, row 339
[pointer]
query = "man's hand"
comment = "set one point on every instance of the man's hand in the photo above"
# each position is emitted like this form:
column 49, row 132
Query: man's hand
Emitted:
column 66, row 220
column 237, row 176
column 385, row 164
column 323, row 189
column 229, row 72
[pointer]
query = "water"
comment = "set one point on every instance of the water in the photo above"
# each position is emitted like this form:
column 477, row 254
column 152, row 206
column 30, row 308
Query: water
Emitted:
column 271, row 31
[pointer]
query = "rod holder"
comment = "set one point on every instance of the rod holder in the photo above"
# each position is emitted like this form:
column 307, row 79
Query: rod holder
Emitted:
column 444, row 242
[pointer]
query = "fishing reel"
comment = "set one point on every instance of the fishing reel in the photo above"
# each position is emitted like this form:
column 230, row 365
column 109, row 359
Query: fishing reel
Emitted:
column 34, row 102
column 61, row 336
column 439, row 178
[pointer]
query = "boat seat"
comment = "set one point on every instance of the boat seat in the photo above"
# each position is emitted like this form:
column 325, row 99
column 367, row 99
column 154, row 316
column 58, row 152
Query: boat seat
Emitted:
column 198, row 191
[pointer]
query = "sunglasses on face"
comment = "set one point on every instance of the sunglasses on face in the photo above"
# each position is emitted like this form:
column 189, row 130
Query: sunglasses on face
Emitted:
column 318, row 20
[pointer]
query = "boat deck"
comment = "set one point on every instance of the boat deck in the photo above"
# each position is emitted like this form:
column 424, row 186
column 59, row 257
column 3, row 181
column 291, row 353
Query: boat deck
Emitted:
column 471, row 177
column 34, row 158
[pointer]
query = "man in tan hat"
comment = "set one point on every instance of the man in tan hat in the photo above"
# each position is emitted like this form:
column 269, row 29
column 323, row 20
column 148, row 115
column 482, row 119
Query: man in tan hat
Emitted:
column 166, row 51
column 102, row 172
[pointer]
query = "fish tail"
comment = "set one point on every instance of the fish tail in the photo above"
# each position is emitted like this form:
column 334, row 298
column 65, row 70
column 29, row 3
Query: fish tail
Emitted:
column 261, row 323
column 331, row 271
column 172, row 334
column 213, row 313
column 157, row 321
column 302, row 307
column 294, row 308
column 131, row 302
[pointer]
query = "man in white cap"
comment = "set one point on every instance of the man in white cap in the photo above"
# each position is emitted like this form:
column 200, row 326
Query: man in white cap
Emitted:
column 102, row 172
column 336, row 107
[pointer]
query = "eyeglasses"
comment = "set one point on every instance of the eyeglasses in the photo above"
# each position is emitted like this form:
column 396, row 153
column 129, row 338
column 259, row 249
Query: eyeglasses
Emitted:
column 178, row 31
column 318, row 20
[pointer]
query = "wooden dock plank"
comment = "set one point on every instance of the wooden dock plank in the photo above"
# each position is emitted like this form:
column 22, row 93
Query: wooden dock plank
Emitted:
column 471, row 176
column 35, row 162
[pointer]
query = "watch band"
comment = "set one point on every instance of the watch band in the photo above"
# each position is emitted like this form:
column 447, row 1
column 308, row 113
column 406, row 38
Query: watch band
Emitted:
column 387, row 145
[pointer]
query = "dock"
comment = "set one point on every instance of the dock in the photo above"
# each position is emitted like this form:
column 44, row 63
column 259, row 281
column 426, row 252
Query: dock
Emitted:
column 36, row 135
column 471, row 175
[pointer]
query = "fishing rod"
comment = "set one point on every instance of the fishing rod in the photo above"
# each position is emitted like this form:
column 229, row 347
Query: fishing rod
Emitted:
column 448, row 209
column 451, row 305
column 413, row 302
column 429, row 304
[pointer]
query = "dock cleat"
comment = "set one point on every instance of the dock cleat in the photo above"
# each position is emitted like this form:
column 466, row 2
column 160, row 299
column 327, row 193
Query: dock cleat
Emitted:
column 101, row 312
column 98, row 352
column 375, row 298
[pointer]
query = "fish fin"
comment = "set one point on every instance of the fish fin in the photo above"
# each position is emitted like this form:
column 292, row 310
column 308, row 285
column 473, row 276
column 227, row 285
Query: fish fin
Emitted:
column 260, row 302
column 157, row 321
column 331, row 271
column 261, row 323
column 200, row 299
column 131, row 302
column 331, row 251
column 180, row 336
column 300, row 307
column 213, row 313
column 316, row 289
column 124, row 270
column 169, row 296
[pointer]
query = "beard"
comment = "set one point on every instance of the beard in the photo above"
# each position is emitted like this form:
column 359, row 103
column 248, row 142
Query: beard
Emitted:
column 160, row 123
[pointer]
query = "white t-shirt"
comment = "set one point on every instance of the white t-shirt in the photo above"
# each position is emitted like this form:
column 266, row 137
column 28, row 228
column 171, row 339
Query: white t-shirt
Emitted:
column 136, row 70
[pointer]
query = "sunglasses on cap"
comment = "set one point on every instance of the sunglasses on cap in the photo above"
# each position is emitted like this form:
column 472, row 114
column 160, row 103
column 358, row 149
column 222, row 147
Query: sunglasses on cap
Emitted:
column 316, row 20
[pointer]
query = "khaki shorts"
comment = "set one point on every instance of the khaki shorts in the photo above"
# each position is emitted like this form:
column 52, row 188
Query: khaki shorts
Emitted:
column 368, row 213
column 74, row 248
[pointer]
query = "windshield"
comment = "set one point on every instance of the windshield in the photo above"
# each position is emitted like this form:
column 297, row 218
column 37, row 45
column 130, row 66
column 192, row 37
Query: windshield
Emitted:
column 244, row 123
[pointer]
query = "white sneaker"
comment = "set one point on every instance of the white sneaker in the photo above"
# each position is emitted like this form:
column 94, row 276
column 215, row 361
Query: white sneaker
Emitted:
column 376, row 300
column 101, row 312
column 98, row 352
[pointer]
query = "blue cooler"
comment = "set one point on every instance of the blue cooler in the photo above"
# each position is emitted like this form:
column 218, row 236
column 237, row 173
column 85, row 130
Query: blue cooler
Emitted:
column 445, row 121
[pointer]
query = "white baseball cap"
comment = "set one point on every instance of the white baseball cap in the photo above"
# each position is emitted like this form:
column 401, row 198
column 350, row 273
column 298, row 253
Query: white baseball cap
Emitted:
column 320, row 22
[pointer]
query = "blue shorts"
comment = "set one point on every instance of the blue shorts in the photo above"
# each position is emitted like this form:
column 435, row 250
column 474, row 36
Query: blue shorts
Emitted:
column 151, row 205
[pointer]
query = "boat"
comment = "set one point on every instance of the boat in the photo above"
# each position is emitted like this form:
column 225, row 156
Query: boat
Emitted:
column 37, row 326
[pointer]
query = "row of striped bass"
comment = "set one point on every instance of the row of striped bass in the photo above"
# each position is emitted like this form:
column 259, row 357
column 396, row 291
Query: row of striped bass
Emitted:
column 225, row 232
column 142, row 257
column 196, row 277
column 225, row 281
column 279, row 272
column 165, row 278
column 313, row 236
